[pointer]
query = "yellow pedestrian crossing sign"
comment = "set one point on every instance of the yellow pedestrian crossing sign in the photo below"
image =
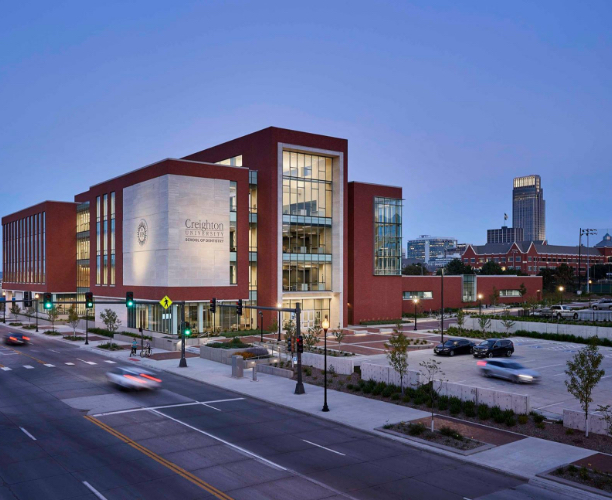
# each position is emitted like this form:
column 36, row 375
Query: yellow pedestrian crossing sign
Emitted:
column 165, row 302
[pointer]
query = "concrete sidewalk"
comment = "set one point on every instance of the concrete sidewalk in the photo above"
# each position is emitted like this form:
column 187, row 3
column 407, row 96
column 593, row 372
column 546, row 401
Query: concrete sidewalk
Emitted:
column 525, row 458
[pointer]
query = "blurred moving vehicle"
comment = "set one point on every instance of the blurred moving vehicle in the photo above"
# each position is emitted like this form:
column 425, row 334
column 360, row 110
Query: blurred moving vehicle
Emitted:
column 454, row 346
column 130, row 377
column 494, row 347
column 603, row 305
column 16, row 339
column 557, row 311
column 509, row 370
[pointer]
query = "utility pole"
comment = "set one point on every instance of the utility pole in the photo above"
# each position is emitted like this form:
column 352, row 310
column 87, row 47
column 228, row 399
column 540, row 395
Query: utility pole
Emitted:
column 580, row 261
column 183, row 361
column 442, row 304
column 299, row 386
column 588, row 233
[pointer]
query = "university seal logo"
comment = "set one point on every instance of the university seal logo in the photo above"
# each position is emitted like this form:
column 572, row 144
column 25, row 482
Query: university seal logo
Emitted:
column 142, row 232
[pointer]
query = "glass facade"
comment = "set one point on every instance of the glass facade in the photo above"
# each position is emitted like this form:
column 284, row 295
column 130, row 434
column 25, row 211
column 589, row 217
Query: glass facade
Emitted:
column 307, row 222
column 426, row 247
column 313, row 310
column 112, row 239
column 468, row 286
column 387, row 236
column 418, row 295
column 529, row 207
column 23, row 255
column 83, row 246
column 98, row 241
column 233, row 239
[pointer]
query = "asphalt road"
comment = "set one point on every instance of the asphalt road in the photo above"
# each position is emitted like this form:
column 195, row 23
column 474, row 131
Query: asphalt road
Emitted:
column 65, row 433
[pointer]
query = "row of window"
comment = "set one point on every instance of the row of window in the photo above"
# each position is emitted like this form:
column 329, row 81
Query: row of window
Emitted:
column 105, row 251
column 24, row 250
column 387, row 236
column 557, row 260
column 423, row 295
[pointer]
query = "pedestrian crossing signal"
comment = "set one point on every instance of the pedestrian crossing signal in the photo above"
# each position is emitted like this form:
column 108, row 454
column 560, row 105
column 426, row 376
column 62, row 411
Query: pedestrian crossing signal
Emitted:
column 89, row 300
column 48, row 300
column 129, row 299
column 239, row 308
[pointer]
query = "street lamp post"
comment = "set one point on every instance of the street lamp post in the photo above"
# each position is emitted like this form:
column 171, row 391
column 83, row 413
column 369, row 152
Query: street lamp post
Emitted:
column 279, row 305
column 4, row 307
column 325, row 326
column 480, row 303
column 261, row 325
column 561, row 289
column 36, row 311
column 416, row 301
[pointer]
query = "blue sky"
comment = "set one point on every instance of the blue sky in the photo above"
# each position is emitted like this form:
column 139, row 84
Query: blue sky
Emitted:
column 449, row 100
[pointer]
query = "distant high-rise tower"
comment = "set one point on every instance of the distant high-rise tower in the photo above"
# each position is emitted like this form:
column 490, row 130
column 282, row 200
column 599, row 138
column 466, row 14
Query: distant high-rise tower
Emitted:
column 528, row 207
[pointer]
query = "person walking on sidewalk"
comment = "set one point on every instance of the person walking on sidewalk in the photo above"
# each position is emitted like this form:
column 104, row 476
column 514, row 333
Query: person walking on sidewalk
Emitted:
column 134, row 346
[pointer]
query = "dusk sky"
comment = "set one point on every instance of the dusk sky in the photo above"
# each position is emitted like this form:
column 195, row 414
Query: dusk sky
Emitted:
column 449, row 100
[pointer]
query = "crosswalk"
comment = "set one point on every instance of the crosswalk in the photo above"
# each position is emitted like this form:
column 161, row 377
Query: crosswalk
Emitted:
column 49, row 365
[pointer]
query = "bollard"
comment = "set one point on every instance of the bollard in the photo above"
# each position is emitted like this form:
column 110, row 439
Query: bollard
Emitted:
column 254, row 371
column 237, row 367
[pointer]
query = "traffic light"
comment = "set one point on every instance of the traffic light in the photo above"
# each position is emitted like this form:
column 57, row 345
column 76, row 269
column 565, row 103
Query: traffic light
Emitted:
column 186, row 329
column 89, row 300
column 48, row 300
column 129, row 299
column 239, row 308
column 213, row 306
column 300, row 344
column 27, row 299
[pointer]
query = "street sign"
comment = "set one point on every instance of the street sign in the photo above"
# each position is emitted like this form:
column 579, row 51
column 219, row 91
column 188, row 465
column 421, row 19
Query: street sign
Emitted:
column 295, row 359
column 165, row 302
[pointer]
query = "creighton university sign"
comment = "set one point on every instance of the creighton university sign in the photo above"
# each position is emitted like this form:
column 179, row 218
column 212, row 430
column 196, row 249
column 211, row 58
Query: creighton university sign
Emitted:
column 176, row 232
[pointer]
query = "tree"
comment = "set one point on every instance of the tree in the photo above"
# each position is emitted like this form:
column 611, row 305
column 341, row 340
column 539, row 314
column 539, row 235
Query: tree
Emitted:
column 15, row 310
column 312, row 335
column 494, row 297
column 583, row 375
column 110, row 320
column 485, row 323
column 549, row 279
column 565, row 275
column 522, row 289
column 417, row 269
column 491, row 268
column 430, row 371
column 339, row 335
column 460, row 320
column 53, row 314
column 29, row 313
column 397, row 354
column 455, row 267
column 508, row 324
column 73, row 319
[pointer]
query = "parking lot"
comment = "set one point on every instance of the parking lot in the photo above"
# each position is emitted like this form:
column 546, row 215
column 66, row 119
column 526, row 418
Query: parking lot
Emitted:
column 547, row 357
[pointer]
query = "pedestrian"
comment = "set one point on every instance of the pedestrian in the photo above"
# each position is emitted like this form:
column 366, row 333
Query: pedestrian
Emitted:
column 134, row 345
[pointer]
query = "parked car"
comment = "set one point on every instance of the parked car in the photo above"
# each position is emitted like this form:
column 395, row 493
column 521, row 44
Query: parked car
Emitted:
column 16, row 339
column 509, row 370
column 494, row 347
column 603, row 305
column 557, row 311
column 132, row 378
column 454, row 346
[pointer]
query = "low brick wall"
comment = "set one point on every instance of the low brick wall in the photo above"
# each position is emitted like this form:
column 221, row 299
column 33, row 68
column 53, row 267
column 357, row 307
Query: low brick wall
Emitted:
column 273, row 370
column 343, row 365
column 519, row 403
column 552, row 327
column 573, row 419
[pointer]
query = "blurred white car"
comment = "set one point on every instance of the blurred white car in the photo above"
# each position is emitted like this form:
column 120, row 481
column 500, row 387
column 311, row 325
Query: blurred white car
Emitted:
column 133, row 378
column 510, row 370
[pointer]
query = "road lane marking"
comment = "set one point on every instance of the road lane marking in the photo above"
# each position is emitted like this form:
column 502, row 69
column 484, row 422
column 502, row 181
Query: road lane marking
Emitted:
column 209, row 406
column 173, row 467
column 27, row 433
column 177, row 405
column 548, row 366
column 70, row 364
column 94, row 491
column 323, row 447
column 53, row 350
column 49, row 365
column 88, row 362
column 6, row 368
column 227, row 443
column 108, row 361
column 28, row 356
column 28, row 367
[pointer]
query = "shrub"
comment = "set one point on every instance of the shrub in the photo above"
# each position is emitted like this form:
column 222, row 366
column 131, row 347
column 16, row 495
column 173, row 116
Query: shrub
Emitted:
column 540, row 425
column 572, row 469
column 106, row 333
column 569, row 432
column 410, row 391
column 537, row 418
column 406, row 398
column 388, row 391
column 469, row 408
column 454, row 405
column 523, row 419
column 510, row 421
column 361, row 382
column 110, row 346
column 245, row 354
column 584, row 474
column 307, row 370
column 416, row 429
column 443, row 403
column 29, row 327
column 418, row 399
column 367, row 389
column 53, row 333
column 15, row 324
column 497, row 415
column 350, row 387
column 395, row 396
column 257, row 351
column 379, row 388
column 447, row 431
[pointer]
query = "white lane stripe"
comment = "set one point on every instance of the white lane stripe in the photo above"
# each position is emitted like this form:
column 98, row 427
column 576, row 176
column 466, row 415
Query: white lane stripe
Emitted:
column 6, row 368
column 27, row 433
column 227, row 443
column 49, row 366
column 28, row 367
column 94, row 491
column 70, row 364
column 209, row 406
column 328, row 449
column 108, row 361
column 88, row 362
column 147, row 408
column 53, row 350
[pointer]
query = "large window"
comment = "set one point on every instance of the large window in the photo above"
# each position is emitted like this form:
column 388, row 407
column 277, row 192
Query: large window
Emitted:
column 307, row 275
column 112, row 238
column 98, row 240
column 468, row 283
column 418, row 295
column 307, row 185
column 510, row 293
column 387, row 236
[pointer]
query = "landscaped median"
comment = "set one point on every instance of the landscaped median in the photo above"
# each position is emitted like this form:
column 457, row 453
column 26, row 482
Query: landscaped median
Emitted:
column 592, row 474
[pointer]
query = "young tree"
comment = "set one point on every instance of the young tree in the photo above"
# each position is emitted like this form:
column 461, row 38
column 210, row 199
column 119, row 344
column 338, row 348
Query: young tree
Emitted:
column 485, row 323
column 29, row 313
column 53, row 314
column 431, row 370
column 508, row 324
column 313, row 335
column 397, row 354
column 339, row 335
column 583, row 375
column 460, row 320
column 522, row 289
column 290, row 331
column 15, row 310
column 73, row 319
column 110, row 320
column 494, row 297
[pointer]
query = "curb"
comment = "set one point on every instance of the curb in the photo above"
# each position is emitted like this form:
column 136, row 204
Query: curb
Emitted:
column 572, row 484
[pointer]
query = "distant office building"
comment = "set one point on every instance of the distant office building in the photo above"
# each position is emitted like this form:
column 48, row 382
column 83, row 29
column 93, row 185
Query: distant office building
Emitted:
column 529, row 207
column 427, row 247
column 505, row 235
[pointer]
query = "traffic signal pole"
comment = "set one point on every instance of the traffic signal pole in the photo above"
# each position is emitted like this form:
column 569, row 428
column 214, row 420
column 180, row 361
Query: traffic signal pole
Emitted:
column 299, row 386
column 183, row 361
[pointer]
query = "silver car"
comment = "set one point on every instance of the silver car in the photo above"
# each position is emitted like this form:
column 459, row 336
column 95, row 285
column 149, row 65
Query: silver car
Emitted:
column 603, row 305
column 509, row 370
column 132, row 378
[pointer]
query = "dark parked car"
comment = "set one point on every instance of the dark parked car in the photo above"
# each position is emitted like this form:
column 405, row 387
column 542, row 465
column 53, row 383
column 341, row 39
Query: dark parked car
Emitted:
column 494, row 347
column 16, row 339
column 454, row 346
